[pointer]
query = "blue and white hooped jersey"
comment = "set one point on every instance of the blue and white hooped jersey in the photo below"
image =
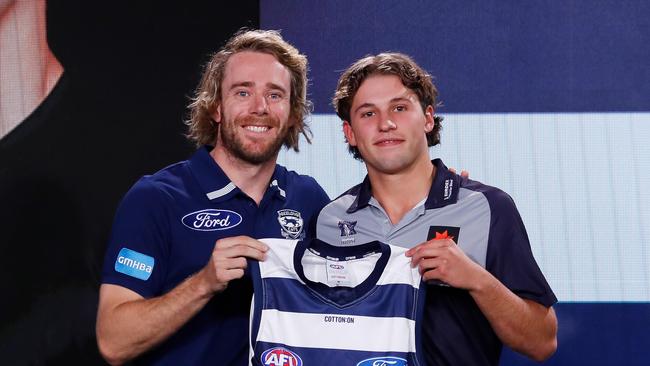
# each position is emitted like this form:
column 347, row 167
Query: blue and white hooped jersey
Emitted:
column 317, row 304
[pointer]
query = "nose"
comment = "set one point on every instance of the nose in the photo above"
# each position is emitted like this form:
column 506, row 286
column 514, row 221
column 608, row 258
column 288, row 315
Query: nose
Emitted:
column 260, row 104
column 387, row 125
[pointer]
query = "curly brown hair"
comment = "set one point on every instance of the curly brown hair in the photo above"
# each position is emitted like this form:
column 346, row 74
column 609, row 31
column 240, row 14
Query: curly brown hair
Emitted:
column 390, row 63
column 207, row 97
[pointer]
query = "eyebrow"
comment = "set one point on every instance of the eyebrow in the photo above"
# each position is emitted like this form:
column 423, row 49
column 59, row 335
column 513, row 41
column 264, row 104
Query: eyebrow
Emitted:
column 401, row 98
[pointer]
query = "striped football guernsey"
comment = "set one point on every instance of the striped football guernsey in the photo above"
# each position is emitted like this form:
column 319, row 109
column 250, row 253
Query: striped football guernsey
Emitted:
column 317, row 304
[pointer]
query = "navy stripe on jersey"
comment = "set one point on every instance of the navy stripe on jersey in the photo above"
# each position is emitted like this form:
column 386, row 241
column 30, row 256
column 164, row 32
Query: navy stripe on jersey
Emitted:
column 299, row 301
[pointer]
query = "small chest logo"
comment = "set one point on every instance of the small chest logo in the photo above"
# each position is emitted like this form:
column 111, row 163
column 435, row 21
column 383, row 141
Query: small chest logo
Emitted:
column 212, row 220
column 383, row 361
column 279, row 356
column 291, row 224
column 347, row 230
column 444, row 232
column 347, row 227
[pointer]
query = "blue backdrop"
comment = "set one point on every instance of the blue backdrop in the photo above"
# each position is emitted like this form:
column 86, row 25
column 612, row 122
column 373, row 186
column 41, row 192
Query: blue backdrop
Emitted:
column 569, row 58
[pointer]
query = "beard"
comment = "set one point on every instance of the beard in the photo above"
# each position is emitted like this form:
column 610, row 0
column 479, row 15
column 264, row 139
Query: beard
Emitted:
column 252, row 152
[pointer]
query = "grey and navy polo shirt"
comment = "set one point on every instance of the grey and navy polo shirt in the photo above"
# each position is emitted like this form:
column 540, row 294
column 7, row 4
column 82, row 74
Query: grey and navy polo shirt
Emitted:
column 484, row 223
column 165, row 230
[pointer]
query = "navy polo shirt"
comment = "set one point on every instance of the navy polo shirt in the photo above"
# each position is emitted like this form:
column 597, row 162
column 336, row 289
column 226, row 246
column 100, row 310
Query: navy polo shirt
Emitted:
column 165, row 230
column 484, row 223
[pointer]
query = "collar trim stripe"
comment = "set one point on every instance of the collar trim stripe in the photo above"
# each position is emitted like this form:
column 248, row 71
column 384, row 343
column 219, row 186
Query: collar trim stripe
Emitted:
column 275, row 184
column 221, row 192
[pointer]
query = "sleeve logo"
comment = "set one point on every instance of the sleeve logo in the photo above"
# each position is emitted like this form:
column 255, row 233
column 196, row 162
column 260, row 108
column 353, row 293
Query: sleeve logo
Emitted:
column 134, row 264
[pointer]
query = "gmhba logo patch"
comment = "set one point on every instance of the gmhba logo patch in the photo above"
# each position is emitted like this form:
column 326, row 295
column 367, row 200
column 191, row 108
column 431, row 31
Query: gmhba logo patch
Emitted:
column 134, row 264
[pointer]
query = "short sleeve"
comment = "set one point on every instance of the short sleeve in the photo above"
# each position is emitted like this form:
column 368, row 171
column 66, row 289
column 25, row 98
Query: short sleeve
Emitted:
column 136, row 257
column 510, row 257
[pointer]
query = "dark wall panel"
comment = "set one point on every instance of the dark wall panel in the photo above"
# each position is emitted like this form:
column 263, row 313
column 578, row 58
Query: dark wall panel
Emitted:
column 489, row 56
column 116, row 114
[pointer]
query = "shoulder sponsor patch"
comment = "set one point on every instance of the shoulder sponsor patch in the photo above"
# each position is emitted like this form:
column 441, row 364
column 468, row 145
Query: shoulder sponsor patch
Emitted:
column 134, row 264
column 383, row 361
column 211, row 220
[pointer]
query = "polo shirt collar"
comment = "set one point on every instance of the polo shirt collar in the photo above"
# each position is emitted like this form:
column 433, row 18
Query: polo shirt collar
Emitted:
column 443, row 191
column 278, row 184
column 363, row 196
column 218, row 187
column 445, row 187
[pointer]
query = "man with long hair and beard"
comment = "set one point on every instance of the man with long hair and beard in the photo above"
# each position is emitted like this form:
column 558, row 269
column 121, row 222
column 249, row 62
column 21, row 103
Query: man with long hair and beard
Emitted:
column 172, row 289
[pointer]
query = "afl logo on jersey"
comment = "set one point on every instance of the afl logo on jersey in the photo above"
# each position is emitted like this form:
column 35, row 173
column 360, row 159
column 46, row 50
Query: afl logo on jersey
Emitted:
column 279, row 356
column 211, row 220
column 383, row 361
column 291, row 223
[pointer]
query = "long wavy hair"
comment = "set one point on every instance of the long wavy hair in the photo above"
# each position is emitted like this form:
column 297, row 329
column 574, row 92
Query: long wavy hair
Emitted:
column 207, row 97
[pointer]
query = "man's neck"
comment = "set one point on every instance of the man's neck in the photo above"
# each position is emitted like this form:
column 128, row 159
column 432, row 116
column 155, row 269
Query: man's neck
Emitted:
column 252, row 179
column 399, row 193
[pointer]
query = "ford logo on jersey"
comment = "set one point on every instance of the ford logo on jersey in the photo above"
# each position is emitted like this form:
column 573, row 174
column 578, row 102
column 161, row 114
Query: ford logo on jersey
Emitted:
column 279, row 356
column 383, row 361
column 211, row 220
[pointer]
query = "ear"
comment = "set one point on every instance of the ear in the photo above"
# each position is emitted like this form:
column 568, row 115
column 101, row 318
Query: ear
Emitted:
column 349, row 133
column 216, row 116
column 429, row 121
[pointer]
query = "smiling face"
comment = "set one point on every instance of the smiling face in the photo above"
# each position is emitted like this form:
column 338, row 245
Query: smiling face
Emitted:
column 255, row 105
column 388, row 126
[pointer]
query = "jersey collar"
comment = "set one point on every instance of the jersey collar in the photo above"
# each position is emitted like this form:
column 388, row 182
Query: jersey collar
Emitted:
column 341, row 296
column 444, row 190
column 216, row 184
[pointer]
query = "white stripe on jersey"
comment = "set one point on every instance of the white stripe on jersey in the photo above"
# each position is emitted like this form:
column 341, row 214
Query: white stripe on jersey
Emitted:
column 365, row 334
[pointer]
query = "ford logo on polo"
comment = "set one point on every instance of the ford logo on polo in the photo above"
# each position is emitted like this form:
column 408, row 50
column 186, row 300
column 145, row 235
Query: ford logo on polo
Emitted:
column 383, row 361
column 280, row 356
column 211, row 220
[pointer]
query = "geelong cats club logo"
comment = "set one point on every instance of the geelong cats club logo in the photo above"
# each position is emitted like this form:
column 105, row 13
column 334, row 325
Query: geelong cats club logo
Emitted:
column 291, row 223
